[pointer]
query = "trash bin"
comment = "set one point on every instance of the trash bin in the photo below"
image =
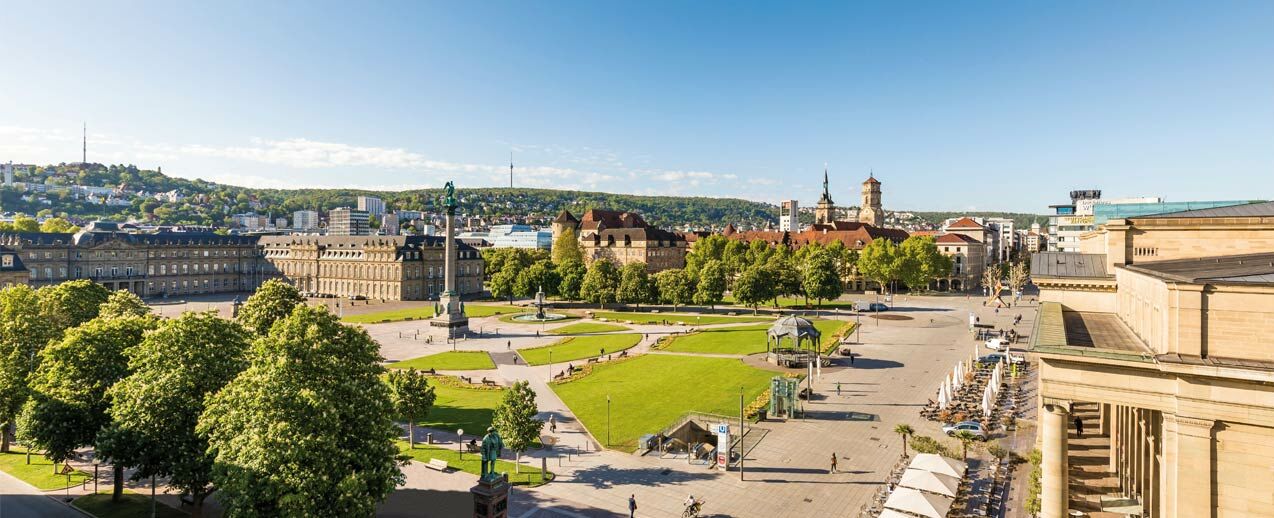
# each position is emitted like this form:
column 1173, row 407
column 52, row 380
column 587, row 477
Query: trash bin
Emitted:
column 429, row 438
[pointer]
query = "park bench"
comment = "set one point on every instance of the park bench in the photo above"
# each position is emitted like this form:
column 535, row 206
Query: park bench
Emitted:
column 472, row 448
column 431, row 371
column 560, row 375
column 487, row 382
column 594, row 360
column 467, row 379
column 437, row 464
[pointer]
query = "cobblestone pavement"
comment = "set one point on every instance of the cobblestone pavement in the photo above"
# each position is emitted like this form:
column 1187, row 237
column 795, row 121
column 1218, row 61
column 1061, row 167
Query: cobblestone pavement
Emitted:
column 896, row 370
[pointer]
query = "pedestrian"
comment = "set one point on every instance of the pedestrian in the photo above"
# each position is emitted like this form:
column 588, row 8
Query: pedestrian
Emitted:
column 601, row 352
column 833, row 463
column 537, row 333
column 508, row 345
column 553, row 424
column 837, row 388
column 632, row 506
column 851, row 357
column 1079, row 427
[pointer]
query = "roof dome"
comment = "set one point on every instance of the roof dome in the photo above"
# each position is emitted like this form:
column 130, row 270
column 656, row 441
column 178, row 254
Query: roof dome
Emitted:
column 793, row 326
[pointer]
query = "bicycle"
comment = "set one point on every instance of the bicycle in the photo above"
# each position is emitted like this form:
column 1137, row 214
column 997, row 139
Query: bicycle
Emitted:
column 692, row 510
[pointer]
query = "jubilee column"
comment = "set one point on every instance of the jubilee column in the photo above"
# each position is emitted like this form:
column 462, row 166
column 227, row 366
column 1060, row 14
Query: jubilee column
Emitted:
column 451, row 315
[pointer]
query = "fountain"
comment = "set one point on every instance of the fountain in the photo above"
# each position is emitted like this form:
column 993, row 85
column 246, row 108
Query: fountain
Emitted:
column 540, row 315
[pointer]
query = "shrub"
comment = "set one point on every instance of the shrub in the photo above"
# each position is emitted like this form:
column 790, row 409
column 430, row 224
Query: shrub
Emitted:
column 1033, row 489
column 926, row 444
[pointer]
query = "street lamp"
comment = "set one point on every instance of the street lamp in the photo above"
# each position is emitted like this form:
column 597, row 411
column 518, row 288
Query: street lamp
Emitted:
column 460, row 442
column 608, row 420
column 741, row 433
column 550, row 364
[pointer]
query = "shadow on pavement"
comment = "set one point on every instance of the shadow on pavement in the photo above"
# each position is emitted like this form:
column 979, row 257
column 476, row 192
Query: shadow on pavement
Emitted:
column 603, row 476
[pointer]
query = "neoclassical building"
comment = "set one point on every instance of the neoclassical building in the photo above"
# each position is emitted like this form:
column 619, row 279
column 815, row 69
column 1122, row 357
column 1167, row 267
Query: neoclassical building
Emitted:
column 382, row 267
column 1163, row 335
column 191, row 263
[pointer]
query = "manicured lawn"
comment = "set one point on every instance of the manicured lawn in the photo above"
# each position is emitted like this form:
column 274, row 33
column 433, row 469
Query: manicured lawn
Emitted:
column 131, row 505
column 457, row 407
column 472, row 463
column 740, row 340
column 586, row 327
column 650, row 391
column 425, row 312
column 40, row 473
column 448, row 361
column 659, row 318
column 797, row 302
column 579, row 347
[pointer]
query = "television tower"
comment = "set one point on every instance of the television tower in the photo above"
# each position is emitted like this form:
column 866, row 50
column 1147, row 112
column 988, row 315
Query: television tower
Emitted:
column 84, row 158
column 510, row 169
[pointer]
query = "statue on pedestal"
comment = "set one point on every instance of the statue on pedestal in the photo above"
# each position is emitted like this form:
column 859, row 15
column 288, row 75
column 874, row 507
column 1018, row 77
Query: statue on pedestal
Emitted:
column 491, row 447
column 450, row 200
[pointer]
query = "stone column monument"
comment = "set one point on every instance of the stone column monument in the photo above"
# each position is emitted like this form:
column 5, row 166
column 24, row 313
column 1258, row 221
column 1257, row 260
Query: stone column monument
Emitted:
column 452, row 315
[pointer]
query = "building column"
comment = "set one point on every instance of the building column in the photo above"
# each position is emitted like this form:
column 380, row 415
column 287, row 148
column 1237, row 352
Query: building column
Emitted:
column 1168, row 468
column 1149, row 504
column 1103, row 418
column 1054, row 497
column 1115, row 436
column 1192, row 489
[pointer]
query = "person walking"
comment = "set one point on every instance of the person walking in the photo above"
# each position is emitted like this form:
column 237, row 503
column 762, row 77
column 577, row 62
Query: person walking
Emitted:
column 833, row 470
column 508, row 345
column 1079, row 427
column 851, row 357
column 552, row 424
column 837, row 388
column 632, row 506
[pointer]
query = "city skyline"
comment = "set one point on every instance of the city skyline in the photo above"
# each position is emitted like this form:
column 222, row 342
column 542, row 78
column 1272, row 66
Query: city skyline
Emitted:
column 662, row 98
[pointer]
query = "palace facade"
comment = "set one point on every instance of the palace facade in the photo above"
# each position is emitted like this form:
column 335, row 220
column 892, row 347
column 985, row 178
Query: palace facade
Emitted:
column 624, row 238
column 191, row 263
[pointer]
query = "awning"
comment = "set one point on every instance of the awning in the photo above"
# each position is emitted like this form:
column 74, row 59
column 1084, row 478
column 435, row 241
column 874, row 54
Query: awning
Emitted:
column 938, row 464
column 890, row 513
column 923, row 504
column 931, row 482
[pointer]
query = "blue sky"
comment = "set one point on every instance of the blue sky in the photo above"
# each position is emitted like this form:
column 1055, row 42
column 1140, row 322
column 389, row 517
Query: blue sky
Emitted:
column 954, row 105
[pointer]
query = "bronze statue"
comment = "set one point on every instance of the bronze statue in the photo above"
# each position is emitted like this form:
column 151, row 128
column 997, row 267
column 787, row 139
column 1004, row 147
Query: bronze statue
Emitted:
column 450, row 200
column 491, row 447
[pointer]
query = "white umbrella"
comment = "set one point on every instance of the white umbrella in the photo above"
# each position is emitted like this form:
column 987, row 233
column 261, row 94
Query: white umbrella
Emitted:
column 955, row 376
column 986, row 402
column 938, row 464
column 923, row 504
column 942, row 397
column 929, row 481
column 890, row 513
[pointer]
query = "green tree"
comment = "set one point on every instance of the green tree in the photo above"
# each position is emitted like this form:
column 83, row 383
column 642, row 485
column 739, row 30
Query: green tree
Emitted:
column 600, row 283
column 1019, row 275
column 921, row 262
column 879, row 262
column 25, row 224
column 412, row 398
column 273, row 301
column 72, row 303
column 966, row 439
column 123, row 303
column 707, row 249
column 787, row 276
column 58, row 225
column 754, row 286
column 635, row 286
column 307, row 429
column 675, row 287
column 515, row 419
column 904, row 431
column 566, row 247
column 156, row 408
column 821, row 280
column 572, row 278
column 24, row 332
column 540, row 275
column 734, row 258
column 711, row 287
column 68, row 404
column 503, row 284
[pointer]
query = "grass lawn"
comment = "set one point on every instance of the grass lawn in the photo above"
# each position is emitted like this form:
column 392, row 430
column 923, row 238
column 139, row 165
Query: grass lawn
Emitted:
column 424, row 312
column 658, row 318
column 579, row 347
column 457, row 407
column 650, row 391
column 448, row 361
column 40, row 473
column 132, row 504
column 586, row 327
column 739, row 340
column 797, row 302
column 472, row 463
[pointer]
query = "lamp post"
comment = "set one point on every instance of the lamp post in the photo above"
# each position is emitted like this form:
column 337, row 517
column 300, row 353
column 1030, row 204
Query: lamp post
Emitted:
column 550, row 364
column 608, row 420
column 460, row 442
column 741, row 433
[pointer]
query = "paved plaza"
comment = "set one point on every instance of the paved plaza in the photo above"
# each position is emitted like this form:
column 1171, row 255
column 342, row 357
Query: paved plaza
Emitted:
column 897, row 368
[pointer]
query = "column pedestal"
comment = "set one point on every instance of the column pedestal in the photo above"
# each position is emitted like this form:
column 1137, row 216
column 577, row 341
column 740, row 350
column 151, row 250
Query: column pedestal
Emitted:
column 1054, row 493
column 491, row 497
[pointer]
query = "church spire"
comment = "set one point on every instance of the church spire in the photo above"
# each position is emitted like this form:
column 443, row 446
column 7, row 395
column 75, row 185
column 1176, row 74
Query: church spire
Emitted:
column 827, row 195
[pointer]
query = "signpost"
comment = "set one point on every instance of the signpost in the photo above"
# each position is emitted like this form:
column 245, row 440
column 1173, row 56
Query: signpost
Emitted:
column 723, row 445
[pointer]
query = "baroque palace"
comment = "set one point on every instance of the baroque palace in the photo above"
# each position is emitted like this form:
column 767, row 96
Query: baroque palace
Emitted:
column 189, row 263
column 1159, row 331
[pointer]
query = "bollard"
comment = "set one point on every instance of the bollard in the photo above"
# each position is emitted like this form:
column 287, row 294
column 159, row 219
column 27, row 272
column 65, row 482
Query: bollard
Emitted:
column 429, row 438
column 544, row 467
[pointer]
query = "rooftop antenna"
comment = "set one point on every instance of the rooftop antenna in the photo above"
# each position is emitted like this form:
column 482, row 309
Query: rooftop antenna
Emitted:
column 510, row 169
column 84, row 158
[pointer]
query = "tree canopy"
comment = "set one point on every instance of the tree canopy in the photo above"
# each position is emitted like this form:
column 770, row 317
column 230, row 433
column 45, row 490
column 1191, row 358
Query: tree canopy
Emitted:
column 24, row 332
column 515, row 418
column 601, row 283
column 273, row 301
column 411, row 397
column 635, row 286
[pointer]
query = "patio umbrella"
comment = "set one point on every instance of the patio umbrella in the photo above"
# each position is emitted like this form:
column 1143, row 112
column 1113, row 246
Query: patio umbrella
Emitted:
column 955, row 376
column 986, row 402
column 923, row 504
column 938, row 464
column 942, row 397
column 930, row 482
column 890, row 513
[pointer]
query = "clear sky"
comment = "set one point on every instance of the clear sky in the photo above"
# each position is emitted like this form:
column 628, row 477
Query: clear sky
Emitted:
column 954, row 105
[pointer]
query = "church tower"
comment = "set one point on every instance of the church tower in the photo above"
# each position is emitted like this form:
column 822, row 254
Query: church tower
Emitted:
column 824, row 212
column 871, row 213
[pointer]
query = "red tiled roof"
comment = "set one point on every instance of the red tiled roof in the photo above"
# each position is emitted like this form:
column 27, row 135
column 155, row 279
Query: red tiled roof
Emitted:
column 965, row 223
column 955, row 239
column 872, row 179
column 924, row 232
column 854, row 235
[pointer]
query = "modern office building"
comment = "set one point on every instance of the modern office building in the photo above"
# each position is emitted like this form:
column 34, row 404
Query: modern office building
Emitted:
column 372, row 205
column 1160, row 340
column 789, row 216
column 512, row 236
column 347, row 222
column 389, row 225
column 1007, row 241
column 250, row 221
column 305, row 220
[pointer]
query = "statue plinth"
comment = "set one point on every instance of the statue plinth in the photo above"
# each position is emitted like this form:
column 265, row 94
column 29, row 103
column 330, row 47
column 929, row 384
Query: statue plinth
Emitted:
column 491, row 497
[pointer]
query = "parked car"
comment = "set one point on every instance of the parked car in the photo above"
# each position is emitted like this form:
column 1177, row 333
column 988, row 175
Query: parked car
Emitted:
column 876, row 306
column 1015, row 357
column 357, row 297
column 990, row 359
column 997, row 344
column 973, row 427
